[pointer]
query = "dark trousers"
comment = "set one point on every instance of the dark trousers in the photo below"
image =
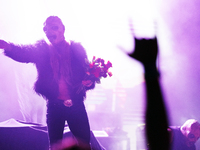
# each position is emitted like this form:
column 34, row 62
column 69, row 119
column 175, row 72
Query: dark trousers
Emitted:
column 76, row 117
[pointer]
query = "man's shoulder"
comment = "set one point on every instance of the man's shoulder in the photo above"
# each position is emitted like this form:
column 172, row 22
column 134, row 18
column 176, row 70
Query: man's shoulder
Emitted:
column 78, row 49
column 175, row 127
column 76, row 45
column 41, row 43
column 175, row 130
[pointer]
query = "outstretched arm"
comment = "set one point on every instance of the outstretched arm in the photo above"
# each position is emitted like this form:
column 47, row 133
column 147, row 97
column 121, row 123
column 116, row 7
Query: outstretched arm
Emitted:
column 24, row 53
column 4, row 45
column 146, row 51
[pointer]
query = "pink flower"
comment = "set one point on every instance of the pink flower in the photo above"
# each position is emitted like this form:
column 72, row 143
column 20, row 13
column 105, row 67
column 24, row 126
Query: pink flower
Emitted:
column 109, row 64
column 91, row 65
column 110, row 74
column 98, row 68
column 93, row 58
column 96, row 72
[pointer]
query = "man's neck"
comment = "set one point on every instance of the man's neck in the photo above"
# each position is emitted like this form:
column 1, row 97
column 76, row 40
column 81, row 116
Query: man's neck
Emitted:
column 60, row 44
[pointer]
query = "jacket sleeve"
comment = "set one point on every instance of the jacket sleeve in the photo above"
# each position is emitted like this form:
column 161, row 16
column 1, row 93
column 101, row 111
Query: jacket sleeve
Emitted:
column 79, row 53
column 80, row 56
column 26, row 53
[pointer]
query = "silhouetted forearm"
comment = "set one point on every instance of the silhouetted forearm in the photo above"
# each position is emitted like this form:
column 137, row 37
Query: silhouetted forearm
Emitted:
column 156, row 117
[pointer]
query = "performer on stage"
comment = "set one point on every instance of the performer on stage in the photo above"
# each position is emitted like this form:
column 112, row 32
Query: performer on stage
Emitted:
column 62, row 69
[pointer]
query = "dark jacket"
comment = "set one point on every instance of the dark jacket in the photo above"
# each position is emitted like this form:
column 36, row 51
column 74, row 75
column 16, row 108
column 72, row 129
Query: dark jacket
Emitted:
column 178, row 140
column 45, row 84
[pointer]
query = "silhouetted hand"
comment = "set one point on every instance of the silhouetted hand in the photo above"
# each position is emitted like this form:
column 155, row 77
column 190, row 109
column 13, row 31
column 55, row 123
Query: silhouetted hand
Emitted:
column 146, row 50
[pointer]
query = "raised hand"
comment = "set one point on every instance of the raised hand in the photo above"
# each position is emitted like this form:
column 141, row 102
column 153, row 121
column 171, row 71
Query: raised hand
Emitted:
column 146, row 50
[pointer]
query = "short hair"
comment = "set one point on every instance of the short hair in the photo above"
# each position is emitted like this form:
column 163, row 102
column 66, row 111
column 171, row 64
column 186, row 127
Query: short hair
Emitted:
column 52, row 19
column 191, row 123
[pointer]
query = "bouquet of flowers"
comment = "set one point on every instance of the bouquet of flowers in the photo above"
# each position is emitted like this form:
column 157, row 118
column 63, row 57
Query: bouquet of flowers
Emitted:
column 96, row 69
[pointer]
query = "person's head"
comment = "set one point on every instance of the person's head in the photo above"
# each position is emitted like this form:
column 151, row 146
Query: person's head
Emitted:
column 54, row 30
column 191, row 130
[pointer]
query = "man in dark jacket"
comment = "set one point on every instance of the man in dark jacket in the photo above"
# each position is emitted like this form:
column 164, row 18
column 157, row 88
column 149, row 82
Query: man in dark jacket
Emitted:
column 184, row 137
column 61, row 71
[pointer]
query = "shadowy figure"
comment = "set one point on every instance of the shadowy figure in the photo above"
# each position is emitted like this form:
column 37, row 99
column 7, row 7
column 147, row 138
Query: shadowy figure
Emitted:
column 70, row 143
column 184, row 137
column 156, row 119
column 61, row 68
